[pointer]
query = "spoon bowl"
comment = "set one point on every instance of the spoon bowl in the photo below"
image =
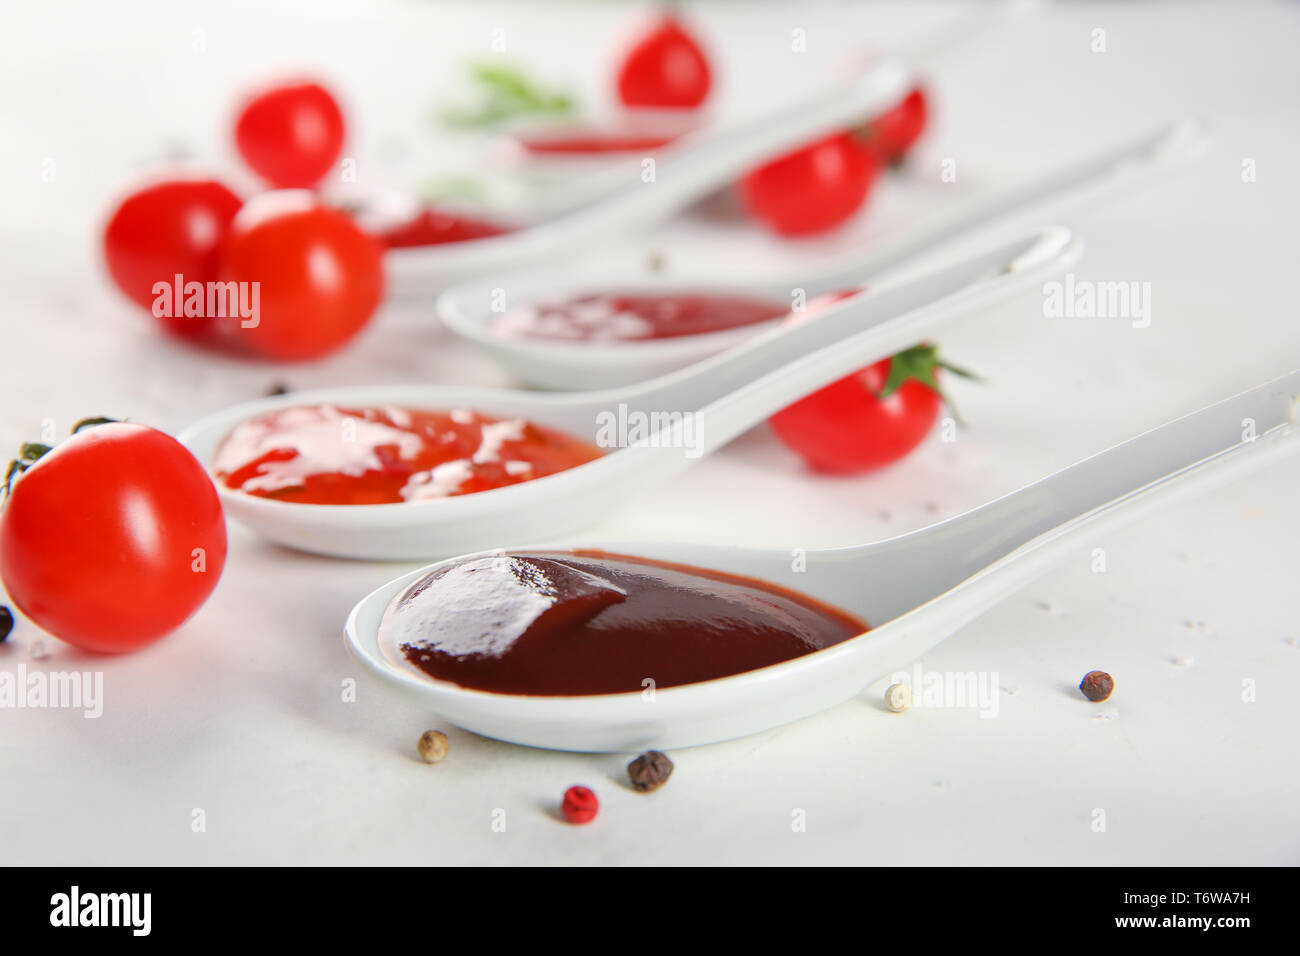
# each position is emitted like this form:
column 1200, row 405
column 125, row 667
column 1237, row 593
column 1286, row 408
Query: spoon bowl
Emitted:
column 918, row 588
column 588, row 365
column 682, row 417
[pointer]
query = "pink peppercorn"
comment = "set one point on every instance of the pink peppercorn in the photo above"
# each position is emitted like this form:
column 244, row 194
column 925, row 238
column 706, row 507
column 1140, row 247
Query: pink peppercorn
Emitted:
column 580, row 805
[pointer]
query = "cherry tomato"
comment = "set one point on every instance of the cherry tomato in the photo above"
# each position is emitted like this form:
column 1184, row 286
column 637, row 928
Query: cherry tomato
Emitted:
column 891, row 134
column 291, row 135
column 870, row 418
column 113, row 538
column 318, row 276
column 813, row 189
column 167, row 229
column 666, row 68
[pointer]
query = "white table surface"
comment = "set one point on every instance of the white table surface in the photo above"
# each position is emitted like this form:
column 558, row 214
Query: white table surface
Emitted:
column 241, row 715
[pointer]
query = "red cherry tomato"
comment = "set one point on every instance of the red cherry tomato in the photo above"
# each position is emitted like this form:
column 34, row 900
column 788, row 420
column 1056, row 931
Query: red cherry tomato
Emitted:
column 291, row 135
column 113, row 538
column 665, row 68
column 319, row 276
column 847, row 427
column 891, row 134
column 814, row 189
column 169, row 228
column 870, row 418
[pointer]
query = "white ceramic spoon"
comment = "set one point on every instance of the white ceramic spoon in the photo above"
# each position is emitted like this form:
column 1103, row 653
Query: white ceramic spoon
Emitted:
column 470, row 309
column 917, row 588
column 687, row 415
column 691, row 171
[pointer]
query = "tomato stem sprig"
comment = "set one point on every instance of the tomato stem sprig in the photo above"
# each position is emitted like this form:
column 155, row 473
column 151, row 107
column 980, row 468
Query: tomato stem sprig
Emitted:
column 91, row 422
column 30, row 452
column 919, row 363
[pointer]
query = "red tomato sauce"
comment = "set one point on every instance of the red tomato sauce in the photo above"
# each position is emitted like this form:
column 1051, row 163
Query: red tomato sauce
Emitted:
column 432, row 227
column 324, row 455
column 593, row 143
column 623, row 317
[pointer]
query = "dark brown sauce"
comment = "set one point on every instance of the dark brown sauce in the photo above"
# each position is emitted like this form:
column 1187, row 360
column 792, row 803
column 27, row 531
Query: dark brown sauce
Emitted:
column 588, row 622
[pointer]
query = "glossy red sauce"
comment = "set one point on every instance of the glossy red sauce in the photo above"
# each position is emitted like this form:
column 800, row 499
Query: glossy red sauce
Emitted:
column 320, row 454
column 431, row 227
column 629, row 317
column 588, row 622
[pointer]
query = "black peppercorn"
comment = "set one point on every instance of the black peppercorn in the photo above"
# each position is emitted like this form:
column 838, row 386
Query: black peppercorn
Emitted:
column 650, row 771
column 1097, row 685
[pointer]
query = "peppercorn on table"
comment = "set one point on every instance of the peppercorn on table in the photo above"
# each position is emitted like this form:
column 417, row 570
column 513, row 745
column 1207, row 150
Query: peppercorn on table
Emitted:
column 250, row 736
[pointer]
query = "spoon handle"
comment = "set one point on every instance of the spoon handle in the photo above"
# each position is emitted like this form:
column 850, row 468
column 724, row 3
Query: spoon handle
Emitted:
column 924, row 54
column 738, row 388
column 1093, row 178
column 1005, row 542
column 695, row 169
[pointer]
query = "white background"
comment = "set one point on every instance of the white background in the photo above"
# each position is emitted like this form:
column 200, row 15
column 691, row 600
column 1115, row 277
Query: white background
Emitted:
column 240, row 713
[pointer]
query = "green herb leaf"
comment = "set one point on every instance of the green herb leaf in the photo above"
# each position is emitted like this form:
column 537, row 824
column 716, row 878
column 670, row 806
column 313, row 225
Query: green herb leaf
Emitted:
column 506, row 93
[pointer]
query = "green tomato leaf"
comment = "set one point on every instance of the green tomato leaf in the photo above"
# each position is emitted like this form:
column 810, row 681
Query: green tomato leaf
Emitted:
column 919, row 364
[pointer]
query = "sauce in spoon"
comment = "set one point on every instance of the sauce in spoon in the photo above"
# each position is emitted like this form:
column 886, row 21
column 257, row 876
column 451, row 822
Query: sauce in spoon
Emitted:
column 580, row 141
column 589, row 622
column 322, row 454
column 434, row 227
column 633, row 316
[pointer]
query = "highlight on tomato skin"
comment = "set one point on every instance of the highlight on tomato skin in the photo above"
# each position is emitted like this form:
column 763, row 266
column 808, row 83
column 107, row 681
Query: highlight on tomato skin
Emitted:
column 113, row 538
